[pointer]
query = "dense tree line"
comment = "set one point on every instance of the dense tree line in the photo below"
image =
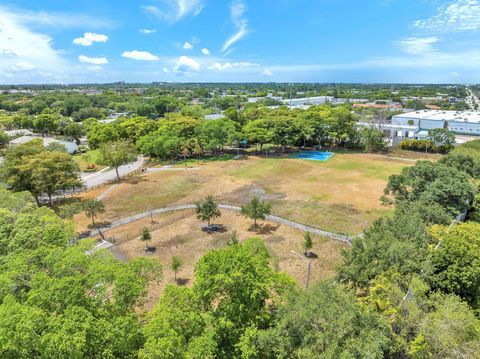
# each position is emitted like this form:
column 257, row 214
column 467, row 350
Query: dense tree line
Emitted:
column 179, row 135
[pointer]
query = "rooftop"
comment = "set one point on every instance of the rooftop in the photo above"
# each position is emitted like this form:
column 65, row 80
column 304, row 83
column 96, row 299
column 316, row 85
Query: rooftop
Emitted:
column 435, row 115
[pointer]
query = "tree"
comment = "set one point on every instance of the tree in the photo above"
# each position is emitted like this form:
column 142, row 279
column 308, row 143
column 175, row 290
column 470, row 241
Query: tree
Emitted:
column 455, row 266
column 175, row 265
column 442, row 136
column 307, row 242
column 450, row 330
column 3, row 138
column 46, row 123
column 93, row 207
column 176, row 326
column 74, row 131
column 256, row 209
column 324, row 322
column 372, row 139
column 258, row 132
column 51, row 172
column 239, row 289
column 431, row 182
column 145, row 237
column 99, row 133
column 116, row 154
column 56, row 147
column 207, row 210
column 13, row 171
column 400, row 243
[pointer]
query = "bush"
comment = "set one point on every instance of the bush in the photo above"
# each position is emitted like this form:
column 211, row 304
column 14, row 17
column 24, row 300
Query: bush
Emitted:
column 418, row 145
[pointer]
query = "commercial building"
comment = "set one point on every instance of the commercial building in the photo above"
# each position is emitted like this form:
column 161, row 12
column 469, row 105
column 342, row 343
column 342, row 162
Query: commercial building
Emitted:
column 461, row 122
column 418, row 124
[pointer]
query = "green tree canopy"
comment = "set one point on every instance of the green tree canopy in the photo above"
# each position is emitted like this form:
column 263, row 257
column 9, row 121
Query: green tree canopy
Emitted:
column 256, row 209
column 324, row 322
column 455, row 266
column 207, row 210
column 116, row 154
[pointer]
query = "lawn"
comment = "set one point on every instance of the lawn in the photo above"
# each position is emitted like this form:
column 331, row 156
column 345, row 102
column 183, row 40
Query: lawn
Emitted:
column 85, row 159
column 341, row 194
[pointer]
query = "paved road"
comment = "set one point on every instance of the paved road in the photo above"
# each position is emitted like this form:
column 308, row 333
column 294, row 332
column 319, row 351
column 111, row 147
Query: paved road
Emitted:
column 102, row 177
column 472, row 100
column 302, row 227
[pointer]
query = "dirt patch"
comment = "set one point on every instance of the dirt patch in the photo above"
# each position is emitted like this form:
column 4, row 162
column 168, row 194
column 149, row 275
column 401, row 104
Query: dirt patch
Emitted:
column 180, row 234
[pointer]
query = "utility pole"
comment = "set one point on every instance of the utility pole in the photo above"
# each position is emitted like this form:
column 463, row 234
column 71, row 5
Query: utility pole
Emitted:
column 309, row 267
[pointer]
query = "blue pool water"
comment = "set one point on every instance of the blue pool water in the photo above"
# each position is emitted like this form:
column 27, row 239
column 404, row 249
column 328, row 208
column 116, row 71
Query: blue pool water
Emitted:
column 314, row 155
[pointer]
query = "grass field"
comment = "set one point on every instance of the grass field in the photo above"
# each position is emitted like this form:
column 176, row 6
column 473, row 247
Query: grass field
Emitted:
column 340, row 195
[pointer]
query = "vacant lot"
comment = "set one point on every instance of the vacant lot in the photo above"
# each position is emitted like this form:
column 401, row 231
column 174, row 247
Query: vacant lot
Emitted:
column 181, row 234
column 340, row 195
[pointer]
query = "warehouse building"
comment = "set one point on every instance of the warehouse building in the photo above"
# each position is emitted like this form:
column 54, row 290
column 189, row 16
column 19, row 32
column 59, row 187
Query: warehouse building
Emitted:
column 460, row 122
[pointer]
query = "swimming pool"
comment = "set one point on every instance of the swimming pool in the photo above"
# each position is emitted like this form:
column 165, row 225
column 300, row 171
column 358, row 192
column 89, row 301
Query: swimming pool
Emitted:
column 314, row 155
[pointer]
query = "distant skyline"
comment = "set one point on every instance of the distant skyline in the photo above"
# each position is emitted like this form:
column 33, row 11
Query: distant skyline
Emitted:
column 368, row 41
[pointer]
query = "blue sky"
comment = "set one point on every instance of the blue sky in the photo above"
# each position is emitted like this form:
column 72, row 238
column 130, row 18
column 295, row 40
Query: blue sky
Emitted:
column 65, row 41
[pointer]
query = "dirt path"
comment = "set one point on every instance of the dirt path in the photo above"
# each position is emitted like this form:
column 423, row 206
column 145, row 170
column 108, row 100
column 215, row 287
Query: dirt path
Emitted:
column 296, row 225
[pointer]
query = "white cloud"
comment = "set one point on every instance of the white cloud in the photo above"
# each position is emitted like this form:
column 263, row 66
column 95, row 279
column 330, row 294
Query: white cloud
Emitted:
column 417, row 45
column 460, row 15
column 217, row 66
column 237, row 10
column 23, row 66
column 187, row 46
column 148, row 31
column 140, row 55
column 175, row 10
column 206, row 51
column 93, row 60
column 166, row 70
column 267, row 72
column 26, row 50
column 186, row 65
column 89, row 38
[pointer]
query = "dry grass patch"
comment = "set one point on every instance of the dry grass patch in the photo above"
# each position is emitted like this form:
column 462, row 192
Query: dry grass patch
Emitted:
column 341, row 194
column 180, row 234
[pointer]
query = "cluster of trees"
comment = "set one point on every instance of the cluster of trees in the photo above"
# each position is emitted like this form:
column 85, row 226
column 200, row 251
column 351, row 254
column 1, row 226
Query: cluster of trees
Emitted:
column 39, row 170
column 419, row 268
column 186, row 134
column 57, row 298
column 46, row 123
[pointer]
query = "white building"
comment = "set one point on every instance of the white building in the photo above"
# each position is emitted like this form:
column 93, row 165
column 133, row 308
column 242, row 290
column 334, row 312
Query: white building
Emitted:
column 417, row 125
column 460, row 122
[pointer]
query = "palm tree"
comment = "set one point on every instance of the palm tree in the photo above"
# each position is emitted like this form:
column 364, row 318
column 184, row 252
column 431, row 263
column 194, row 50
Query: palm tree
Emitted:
column 256, row 209
column 92, row 208
column 207, row 210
